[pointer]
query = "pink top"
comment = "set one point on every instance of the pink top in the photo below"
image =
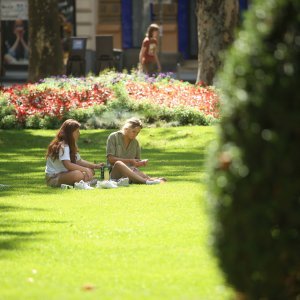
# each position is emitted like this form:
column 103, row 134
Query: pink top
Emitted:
column 150, row 45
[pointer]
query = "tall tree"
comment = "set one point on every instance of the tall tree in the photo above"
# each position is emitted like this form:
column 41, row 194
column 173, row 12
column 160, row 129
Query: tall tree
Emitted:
column 217, row 20
column 46, row 54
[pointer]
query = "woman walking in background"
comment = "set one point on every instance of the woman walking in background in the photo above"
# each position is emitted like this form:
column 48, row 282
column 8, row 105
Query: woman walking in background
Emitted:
column 148, row 57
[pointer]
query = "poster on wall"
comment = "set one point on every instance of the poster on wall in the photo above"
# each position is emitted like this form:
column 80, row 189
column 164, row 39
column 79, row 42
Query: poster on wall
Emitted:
column 14, row 23
column 67, row 24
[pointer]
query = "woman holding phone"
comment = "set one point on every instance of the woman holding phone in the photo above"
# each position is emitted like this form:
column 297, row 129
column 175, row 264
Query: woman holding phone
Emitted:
column 124, row 154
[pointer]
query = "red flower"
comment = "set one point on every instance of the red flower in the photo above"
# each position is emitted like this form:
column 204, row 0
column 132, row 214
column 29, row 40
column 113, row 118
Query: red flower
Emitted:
column 29, row 100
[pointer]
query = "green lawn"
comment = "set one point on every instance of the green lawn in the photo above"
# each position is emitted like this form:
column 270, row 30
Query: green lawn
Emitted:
column 140, row 242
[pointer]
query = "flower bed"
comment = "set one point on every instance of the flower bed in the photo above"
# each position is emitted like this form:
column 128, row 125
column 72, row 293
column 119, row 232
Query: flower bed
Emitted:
column 173, row 95
column 29, row 101
column 56, row 97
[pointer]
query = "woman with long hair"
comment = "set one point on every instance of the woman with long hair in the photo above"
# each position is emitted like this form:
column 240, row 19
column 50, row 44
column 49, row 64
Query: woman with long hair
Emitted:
column 64, row 164
column 148, row 57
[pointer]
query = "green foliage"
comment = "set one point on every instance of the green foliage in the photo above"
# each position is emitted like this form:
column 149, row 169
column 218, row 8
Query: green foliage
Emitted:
column 121, row 101
column 120, row 95
column 80, row 114
column 7, row 115
column 50, row 122
column 111, row 115
column 9, row 122
column 34, row 122
column 151, row 113
column 191, row 116
column 254, row 168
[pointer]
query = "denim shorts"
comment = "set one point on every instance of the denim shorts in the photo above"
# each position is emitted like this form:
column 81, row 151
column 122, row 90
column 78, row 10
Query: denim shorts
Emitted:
column 52, row 179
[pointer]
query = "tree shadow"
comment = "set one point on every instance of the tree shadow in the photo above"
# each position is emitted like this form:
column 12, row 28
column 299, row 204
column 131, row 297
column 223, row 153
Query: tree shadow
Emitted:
column 13, row 233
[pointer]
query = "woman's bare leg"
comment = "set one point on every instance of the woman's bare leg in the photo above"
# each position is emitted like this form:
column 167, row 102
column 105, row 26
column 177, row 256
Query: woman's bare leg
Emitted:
column 121, row 170
column 140, row 173
column 70, row 177
column 145, row 176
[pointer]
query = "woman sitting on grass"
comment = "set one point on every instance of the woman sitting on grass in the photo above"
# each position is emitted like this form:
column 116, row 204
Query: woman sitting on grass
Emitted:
column 124, row 154
column 64, row 164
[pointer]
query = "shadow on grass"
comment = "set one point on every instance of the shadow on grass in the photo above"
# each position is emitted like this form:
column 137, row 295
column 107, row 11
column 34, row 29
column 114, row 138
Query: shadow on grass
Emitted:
column 13, row 233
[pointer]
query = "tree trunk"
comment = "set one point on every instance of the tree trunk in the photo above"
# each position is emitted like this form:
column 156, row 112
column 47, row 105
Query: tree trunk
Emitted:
column 46, row 54
column 217, row 21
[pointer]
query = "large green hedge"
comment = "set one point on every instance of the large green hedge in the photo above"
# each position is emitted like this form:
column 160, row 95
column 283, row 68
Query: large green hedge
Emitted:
column 254, row 168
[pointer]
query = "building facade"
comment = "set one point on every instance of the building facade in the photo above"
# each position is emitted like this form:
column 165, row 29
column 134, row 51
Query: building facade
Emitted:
column 127, row 21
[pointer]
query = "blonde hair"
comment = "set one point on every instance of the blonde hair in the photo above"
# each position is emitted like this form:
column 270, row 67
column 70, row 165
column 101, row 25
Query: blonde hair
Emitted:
column 132, row 123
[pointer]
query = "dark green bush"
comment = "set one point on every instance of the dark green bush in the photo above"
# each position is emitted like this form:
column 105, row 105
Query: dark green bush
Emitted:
column 5, row 108
column 186, row 116
column 80, row 114
column 33, row 122
column 255, row 166
column 9, row 122
column 50, row 122
column 8, row 119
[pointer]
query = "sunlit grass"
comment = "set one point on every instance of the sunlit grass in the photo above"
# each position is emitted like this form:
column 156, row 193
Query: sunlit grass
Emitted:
column 141, row 242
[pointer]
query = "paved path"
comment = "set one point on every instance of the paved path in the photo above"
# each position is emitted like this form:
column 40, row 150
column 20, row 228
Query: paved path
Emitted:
column 18, row 77
column 13, row 77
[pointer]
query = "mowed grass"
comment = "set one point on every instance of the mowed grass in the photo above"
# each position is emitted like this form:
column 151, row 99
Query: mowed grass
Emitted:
column 140, row 242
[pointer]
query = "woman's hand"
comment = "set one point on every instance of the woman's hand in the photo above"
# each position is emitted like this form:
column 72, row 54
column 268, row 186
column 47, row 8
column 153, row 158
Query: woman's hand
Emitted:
column 144, row 162
column 135, row 162
column 88, row 174
column 140, row 163
column 99, row 166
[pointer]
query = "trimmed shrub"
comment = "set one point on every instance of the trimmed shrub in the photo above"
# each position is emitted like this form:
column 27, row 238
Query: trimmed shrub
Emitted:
column 82, row 115
column 50, row 122
column 33, row 122
column 186, row 116
column 7, row 115
column 9, row 122
column 254, row 167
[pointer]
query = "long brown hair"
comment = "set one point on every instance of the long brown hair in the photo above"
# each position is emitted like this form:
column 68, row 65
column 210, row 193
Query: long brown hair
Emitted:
column 63, row 137
column 153, row 27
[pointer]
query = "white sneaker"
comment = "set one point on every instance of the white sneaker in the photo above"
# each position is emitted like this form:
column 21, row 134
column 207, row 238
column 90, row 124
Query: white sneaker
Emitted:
column 156, row 181
column 81, row 185
column 66, row 186
column 106, row 184
column 123, row 182
column 93, row 182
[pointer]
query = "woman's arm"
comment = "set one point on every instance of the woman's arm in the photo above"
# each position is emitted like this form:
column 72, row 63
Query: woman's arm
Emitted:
column 89, row 165
column 157, row 62
column 142, row 55
column 128, row 161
